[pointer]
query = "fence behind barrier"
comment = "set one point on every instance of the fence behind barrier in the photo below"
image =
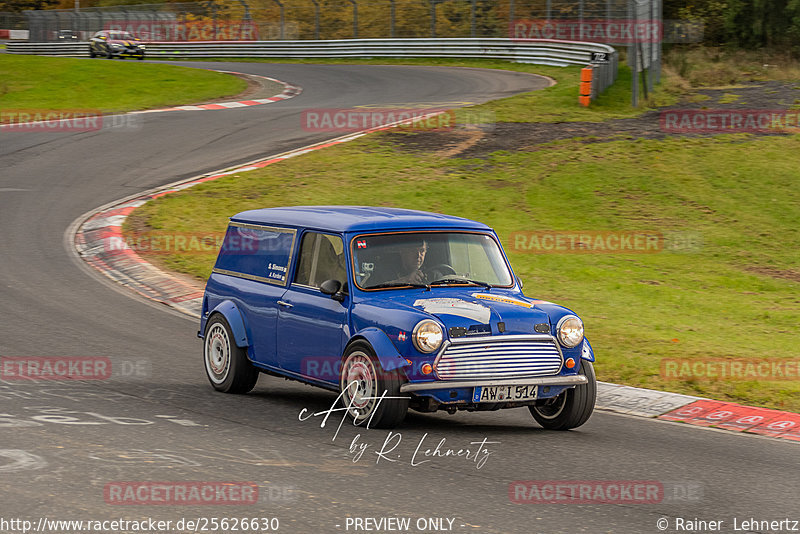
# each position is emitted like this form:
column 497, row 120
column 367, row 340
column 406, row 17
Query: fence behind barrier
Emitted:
column 539, row 51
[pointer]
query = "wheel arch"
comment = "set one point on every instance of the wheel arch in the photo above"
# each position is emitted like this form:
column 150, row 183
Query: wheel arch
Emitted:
column 231, row 313
column 387, row 354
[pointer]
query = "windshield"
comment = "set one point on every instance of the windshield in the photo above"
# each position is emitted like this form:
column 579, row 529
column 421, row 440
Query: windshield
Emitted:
column 121, row 36
column 422, row 258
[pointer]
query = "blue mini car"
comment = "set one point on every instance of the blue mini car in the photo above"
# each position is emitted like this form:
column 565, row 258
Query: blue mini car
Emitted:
column 393, row 309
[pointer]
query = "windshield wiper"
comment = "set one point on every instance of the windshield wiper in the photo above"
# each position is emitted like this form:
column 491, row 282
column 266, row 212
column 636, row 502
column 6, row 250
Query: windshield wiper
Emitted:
column 399, row 284
column 487, row 285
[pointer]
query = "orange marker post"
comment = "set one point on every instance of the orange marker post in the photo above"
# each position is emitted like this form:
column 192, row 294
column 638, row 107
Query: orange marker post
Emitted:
column 585, row 96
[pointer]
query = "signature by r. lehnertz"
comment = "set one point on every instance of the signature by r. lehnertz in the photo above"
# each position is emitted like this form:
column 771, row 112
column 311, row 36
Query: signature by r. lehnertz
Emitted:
column 477, row 452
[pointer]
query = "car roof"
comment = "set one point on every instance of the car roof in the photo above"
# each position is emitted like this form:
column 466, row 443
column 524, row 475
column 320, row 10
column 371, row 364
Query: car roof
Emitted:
column 354, row 218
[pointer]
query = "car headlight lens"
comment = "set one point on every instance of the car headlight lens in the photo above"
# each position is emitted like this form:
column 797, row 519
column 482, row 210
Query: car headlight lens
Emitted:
column 570, row 331
column 142, row 46
column 427, row 336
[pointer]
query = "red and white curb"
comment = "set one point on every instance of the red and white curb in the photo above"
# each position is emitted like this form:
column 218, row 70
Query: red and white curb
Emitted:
column 289, row 91
column 699, row 411
column 99, row 241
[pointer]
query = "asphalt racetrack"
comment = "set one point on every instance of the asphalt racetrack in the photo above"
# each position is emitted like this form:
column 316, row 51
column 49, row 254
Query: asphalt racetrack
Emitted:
column 66, row 447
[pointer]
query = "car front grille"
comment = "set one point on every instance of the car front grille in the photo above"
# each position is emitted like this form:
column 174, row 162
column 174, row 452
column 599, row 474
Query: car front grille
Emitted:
column 499, row 357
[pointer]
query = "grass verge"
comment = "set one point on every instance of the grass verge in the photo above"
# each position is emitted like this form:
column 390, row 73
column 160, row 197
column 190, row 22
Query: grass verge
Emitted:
column 59, row 84
column 734, row 297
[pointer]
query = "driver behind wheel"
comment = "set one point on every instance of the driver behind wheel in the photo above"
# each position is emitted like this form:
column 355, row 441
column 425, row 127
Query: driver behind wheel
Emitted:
column 412, row 256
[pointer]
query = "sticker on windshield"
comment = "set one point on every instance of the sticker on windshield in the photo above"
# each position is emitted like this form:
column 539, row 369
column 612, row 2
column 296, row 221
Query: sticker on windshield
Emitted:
column 507, row 300
column 461, row 308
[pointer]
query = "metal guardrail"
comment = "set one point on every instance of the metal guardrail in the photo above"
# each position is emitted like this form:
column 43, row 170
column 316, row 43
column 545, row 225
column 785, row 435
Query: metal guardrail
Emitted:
column 539, row 51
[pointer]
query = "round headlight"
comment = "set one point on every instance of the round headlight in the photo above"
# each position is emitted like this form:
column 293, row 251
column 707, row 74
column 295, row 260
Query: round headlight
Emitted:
column 427, row 336
column 570, row 331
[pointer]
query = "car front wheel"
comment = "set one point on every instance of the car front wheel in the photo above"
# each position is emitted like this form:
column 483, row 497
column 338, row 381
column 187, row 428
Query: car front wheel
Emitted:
column 363, row 382
column 227, row 366
column 571, row 408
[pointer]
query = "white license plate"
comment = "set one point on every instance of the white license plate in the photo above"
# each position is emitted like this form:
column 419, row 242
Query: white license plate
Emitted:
column 503, row 393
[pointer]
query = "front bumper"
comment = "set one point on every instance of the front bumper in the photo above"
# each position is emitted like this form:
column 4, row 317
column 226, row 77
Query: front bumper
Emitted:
column 127, row 53
column 539, row 381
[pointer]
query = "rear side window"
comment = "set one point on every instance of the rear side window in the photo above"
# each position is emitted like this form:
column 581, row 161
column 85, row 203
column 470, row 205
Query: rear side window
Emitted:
column 255, row 252
column 321, row 258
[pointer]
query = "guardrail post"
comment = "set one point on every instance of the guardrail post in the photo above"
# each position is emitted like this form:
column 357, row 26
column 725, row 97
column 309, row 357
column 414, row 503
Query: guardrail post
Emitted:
column 355, row 18
column 280, row 5
column 472, row 22
column 391, row 18
column 316, row 19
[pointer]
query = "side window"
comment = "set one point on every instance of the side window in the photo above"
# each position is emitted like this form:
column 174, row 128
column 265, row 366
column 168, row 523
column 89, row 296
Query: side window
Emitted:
column 255, row 252
column 321, row 258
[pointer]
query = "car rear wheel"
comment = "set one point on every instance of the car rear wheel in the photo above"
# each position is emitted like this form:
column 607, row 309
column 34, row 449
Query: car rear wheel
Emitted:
column 571, row 408
column 227, row 366
column 362, row 381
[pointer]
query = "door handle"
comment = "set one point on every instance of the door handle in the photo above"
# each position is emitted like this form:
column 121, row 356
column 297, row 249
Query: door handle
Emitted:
column 282, row 303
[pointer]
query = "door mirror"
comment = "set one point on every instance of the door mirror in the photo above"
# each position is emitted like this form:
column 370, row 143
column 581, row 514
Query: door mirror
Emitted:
column 519, row 281
column 331, row 287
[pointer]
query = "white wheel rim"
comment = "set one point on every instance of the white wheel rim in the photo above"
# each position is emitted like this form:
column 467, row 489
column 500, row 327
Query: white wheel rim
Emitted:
column 359, row 383
column 218, row 353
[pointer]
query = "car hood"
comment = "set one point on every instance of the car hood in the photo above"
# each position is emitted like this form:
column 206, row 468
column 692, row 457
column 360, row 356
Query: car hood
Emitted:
column 480, row 312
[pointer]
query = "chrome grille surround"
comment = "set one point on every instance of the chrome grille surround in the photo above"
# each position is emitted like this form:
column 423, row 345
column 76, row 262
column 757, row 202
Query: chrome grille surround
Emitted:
column 498, row 357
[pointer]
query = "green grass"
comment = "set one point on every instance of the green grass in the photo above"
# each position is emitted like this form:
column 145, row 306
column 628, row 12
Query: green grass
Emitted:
column 730, row 299
column 729, row 98
column 51, row 84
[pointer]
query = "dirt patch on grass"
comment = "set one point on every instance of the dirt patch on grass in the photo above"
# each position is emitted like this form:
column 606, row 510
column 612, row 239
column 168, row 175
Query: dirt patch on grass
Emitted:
column 774, row 272
column 526, row 137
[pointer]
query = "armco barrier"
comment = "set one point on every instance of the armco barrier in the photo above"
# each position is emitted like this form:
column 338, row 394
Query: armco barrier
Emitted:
column 540, row 51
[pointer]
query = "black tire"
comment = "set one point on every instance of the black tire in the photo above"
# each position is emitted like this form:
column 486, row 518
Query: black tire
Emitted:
column 570, row 409
column 361, row 366
column 140, row 57
column 91, row 52
column 227, row 366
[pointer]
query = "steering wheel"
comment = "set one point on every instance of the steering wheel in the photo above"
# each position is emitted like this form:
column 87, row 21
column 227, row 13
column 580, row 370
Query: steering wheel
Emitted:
column 441, row 271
